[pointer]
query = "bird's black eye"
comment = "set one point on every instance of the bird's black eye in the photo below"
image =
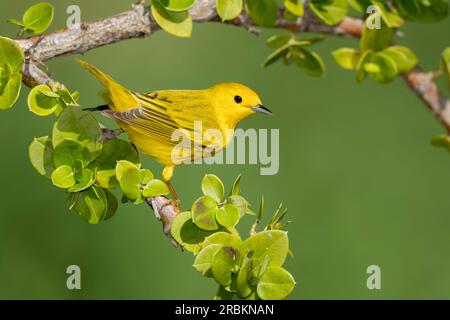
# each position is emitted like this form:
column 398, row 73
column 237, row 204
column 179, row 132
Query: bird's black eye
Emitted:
column 237, row 99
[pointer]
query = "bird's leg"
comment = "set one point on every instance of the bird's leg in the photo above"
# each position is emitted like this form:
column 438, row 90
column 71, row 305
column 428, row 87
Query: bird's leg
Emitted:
column 176, row 200
column 167, row 174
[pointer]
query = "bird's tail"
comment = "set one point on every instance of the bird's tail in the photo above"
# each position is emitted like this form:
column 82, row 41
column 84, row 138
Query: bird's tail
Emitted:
column 121, row 98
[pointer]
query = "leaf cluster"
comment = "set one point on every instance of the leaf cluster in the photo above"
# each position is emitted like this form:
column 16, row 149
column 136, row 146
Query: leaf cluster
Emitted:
column 243, row 269
column 77, row 159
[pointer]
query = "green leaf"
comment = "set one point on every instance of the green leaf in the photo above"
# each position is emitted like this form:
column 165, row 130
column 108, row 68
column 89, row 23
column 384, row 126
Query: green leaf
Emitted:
column 11, row 53
column 330, row 12
column 295, row 7
column 187, row 234
column 274, row 243
column 240, row 203
column 123, row 166
column 360, row 71
column 129, row 180
column 10, row 91
column 224, row 262
column 278, row 40
column 48, row 93
column 276, row 55
column 228, row 216
column 310, row 62
column 306, row 41
column 204, row 213
column 212, row 186
column 204, row 259
column 11, row 64
column 225, row 239
column 155, row 188
column 38, row 18
column 425, row 11
column 177, row 5
column 446, row 65
column 390, row 16
column 360, row 5
column 243, row 285
column 276, row 284
column 75, row 124
column 16, row 22
column 5, row 74
column 236, row 189
column 112, row 151
column 69, row 152
column 229, row 9
column 41, row 155
column 41, row 103
column 112, row 205
column 347, row 58
column 376, row 39
column 72, row 199
column 177, row 23
column 92, row 205
column 403, row 57
column 67, row 97
column 371, row 67
column 223, row 294
column 387, row 68
column 84, row 181
column 260, row 266
column 145, row 176
column 263, row 12
column 441, row 141
column 63, row 177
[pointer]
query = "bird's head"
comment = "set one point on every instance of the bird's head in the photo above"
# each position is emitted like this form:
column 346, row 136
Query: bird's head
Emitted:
column 236, row 101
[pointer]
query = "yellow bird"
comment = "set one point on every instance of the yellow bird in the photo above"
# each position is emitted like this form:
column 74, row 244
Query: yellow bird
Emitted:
column 150, row 119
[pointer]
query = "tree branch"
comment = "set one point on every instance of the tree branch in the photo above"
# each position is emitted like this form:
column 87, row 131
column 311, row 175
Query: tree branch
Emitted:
column 138, row 23
column 422, row 84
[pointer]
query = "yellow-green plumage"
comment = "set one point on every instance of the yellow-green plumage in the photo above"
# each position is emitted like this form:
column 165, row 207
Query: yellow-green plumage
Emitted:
column 150, row 119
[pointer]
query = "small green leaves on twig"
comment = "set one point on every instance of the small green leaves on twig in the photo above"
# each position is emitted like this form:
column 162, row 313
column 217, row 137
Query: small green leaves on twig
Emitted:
column 137, row 183
column 377, row 57
column 211, row 211
column 36, row 18
column 292, row 50
column 250, row 269
column 78, row 160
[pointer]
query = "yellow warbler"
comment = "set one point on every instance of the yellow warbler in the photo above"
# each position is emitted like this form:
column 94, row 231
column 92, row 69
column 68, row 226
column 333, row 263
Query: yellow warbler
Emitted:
column 150, row 119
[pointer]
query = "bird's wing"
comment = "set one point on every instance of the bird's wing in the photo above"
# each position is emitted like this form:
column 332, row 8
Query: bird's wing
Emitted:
column 157, row 117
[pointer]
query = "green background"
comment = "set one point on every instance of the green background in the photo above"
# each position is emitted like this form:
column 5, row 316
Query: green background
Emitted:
column 357, row 171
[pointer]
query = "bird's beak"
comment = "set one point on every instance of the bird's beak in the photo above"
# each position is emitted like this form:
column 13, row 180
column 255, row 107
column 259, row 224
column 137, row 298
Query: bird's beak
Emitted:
column 261, row 109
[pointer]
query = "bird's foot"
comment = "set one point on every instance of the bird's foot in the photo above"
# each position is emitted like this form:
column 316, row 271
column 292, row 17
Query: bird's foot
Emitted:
column 171, row 202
